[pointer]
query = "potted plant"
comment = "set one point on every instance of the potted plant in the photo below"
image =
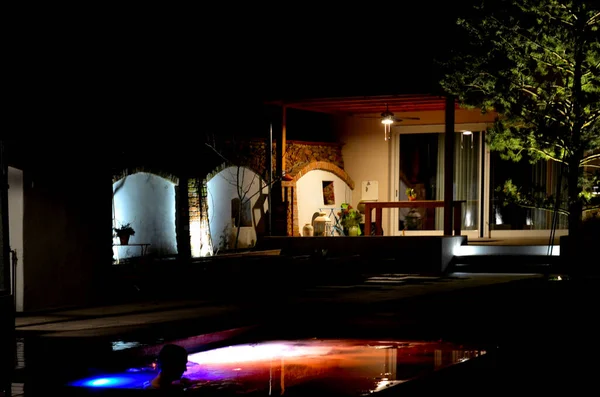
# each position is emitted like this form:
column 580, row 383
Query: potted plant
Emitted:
column 123, row 232
column 411, row 194
column 350, row 220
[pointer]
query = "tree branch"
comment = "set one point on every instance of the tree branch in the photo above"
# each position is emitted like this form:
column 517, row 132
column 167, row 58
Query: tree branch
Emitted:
column 562, row 68
column 593, row 19
column 218, row 153
column 589, row 158
column 529, row 92
column 533, row 42
column 551, row 209
column 553, row 158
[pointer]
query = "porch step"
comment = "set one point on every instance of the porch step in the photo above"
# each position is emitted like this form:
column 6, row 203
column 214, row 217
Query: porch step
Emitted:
column 526, row 250
column 505, row 263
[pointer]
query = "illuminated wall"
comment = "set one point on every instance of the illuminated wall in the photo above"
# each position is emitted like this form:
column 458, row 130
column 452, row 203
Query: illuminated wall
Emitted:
column 309, row 190
column 222, row 188
column 200, row 239
column 368, row 157
column 147, row 202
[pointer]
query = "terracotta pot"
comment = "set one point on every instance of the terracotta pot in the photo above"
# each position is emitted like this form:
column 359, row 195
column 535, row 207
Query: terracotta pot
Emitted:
column 124, row 239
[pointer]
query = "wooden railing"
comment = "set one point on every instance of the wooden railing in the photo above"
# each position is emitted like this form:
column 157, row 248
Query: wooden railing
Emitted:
column 379, row 205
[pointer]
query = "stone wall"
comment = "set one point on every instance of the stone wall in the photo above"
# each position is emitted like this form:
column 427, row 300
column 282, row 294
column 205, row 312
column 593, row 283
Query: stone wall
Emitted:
column 300, row 154
column 194, row 200
column 297, row 155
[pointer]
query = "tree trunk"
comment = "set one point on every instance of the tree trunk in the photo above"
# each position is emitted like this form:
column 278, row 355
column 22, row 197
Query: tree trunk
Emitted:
column 182, row 219
column 239, row 225
column 575, row 203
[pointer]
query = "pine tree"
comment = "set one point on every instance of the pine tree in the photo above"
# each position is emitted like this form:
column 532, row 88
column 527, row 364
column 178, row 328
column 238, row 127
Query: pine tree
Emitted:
column 537, row 64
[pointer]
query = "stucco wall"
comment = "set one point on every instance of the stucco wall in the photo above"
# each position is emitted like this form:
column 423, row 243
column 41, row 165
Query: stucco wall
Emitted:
column 147, row 201
column 222, row 188
column 310, row 194
column 368, row 157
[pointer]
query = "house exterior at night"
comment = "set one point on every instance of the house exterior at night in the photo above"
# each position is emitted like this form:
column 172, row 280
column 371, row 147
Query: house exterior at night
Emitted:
column 185, row 215
column 413, row 157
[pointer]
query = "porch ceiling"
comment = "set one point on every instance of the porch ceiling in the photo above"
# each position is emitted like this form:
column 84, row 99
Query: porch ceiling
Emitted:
column 368, row 104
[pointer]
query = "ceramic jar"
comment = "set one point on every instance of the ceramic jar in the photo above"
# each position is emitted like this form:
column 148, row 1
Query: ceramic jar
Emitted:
column 413, row 220
column 307, row 230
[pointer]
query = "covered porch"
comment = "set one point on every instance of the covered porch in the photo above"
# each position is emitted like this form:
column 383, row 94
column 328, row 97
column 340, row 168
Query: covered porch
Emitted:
column 391, row 110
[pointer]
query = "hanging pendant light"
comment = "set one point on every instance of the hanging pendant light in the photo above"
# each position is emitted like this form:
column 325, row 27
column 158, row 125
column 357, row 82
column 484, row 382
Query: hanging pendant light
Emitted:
column 462, row 135
column 387, row 119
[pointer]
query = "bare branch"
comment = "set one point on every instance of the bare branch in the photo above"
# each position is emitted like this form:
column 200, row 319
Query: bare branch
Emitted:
column 218, row 153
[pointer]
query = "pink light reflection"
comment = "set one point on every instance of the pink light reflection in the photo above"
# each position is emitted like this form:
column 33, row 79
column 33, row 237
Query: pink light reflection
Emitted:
column 257, row 352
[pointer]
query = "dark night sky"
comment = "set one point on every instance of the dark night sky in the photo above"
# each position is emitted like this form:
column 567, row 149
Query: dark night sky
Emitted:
column 146, row 76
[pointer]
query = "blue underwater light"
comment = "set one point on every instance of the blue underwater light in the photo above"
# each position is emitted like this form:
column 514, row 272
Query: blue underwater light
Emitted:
column 130, row 380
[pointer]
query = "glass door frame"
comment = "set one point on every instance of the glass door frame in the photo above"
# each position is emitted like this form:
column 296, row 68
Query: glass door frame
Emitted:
column 483, row 229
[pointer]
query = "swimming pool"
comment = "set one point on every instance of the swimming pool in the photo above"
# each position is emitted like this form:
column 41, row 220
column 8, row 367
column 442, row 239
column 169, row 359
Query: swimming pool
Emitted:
column 344, row 367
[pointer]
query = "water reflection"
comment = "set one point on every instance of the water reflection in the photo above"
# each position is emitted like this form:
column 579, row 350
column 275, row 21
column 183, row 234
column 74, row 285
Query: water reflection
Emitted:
column 123, row 345
column 348, row 367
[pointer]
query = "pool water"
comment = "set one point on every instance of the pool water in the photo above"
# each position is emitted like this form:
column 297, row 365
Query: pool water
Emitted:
column 350, row 367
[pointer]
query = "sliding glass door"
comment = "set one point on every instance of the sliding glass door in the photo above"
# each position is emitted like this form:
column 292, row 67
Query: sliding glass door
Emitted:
column 419, row 165
column 544, row 178
column 478, row 178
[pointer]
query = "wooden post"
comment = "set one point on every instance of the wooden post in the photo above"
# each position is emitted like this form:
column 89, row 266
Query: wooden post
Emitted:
column 281, row 142
column 457, row 214
column 449, row 166
column 278, row 200
column 269, row 159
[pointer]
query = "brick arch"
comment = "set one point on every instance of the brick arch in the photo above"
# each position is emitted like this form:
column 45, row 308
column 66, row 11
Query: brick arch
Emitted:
column 325, row 166
column 223, row 166
column 289, row 190
column 130, row 171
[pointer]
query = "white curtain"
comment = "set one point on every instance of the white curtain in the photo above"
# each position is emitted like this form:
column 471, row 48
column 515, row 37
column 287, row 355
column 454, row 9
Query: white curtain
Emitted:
column 466, row 179
column 439, row 183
